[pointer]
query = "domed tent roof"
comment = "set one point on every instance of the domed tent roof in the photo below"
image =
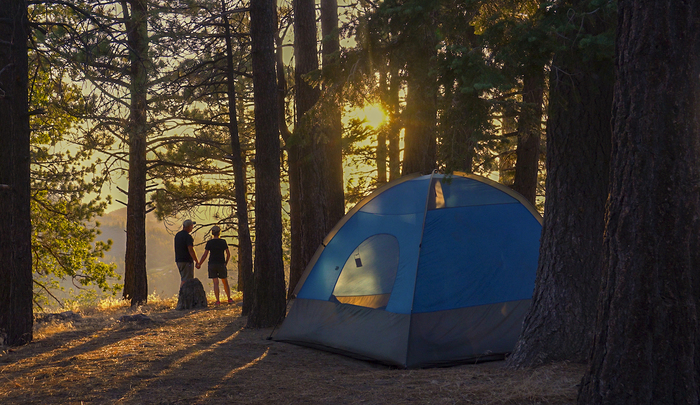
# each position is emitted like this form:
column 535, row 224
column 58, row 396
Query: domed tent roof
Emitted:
column 426, row 271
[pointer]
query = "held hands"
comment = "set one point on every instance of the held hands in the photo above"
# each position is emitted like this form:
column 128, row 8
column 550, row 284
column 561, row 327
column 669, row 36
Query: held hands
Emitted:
column 198, row 265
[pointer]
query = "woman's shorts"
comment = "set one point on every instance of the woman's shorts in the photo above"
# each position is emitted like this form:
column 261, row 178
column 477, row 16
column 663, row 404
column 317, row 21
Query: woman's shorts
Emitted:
column 217, row 270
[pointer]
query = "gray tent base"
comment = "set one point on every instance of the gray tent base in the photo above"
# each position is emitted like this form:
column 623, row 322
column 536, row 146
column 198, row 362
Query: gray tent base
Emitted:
column 432, row 339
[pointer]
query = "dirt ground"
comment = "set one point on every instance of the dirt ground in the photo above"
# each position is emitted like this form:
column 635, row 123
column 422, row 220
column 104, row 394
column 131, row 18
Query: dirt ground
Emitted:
column 207, row 356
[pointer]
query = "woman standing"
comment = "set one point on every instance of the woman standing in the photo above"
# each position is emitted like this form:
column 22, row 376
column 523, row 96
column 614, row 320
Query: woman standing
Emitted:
column 218, row 260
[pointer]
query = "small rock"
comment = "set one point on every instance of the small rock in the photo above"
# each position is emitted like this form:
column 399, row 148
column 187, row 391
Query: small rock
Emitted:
column 63, row 316
column 71, row 316
column 191, row 295
column 138, row 318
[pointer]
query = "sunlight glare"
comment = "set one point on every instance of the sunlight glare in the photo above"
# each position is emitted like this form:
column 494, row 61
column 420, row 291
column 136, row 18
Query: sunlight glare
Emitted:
column 373, row 115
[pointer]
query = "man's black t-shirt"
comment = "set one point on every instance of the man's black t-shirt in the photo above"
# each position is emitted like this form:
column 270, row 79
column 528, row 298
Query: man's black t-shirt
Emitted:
column 182, row 241
column 216, row 248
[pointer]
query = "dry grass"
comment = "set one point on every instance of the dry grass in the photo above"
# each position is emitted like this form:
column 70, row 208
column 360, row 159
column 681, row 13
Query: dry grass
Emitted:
column 207, row 356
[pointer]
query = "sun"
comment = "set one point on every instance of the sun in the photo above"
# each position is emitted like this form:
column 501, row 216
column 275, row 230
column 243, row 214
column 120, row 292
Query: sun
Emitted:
column 372, row 114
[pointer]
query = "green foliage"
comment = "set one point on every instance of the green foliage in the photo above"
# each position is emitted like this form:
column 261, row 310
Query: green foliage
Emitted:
column 190, row 156
column 64, row 246
column 358, row 139
column 484, row 50
column 65, row 191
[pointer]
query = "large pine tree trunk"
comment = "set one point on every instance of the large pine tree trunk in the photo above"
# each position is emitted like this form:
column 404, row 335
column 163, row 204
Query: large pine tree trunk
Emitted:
column 560, row 323
column 15, row 238
column 245, row 246
column 421, row 106
column 333, row 131
column 309, row 150
column 135, row 279
column 644, row 350
column 269, row 295
column 529, row 130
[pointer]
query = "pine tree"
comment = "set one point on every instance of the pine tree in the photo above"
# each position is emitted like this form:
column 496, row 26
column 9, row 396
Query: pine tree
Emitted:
column 15, row 242
column 645, row 349
column 269, row 292
column 66, row 183
column 559, row 325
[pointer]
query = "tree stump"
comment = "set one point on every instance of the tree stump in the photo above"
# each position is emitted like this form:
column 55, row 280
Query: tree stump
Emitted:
column 191, row 295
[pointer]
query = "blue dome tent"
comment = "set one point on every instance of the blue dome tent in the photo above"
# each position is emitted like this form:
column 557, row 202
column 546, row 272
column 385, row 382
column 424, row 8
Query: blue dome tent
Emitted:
column 427, row 271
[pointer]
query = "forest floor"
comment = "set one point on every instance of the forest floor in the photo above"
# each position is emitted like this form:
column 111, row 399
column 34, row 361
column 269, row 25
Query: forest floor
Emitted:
column 208, row 356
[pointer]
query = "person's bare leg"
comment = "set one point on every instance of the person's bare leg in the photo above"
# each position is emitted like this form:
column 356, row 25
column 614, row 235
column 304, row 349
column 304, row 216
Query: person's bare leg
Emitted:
column 216, row 288
column 224, row 281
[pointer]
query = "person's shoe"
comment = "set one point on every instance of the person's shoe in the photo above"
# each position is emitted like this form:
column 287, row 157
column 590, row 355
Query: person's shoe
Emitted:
column 230, row 301
column 217, row 303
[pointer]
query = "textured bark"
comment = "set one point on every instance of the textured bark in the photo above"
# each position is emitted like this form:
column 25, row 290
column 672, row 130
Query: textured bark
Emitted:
column 529, row 134
column 421, row 106
column 245, row 246
column 560, row 323
column 308, row 149
column 269, row 295
column 334, row 128
column 296, row 265
column 135, row 278
column 644, row 350
column 15, row 239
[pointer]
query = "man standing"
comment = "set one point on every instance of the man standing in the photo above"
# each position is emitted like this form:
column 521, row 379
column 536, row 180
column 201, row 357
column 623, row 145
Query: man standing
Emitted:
column 185, row 256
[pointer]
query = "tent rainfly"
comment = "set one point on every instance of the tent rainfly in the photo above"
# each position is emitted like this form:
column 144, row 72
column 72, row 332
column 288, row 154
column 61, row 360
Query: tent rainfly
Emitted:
column 427, row 271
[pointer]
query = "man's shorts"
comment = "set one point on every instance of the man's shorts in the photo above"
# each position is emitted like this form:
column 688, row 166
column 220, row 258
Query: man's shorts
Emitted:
column 186, row 270
column 217, row 270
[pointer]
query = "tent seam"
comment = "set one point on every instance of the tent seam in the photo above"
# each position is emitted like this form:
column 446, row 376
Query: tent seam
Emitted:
column 415, row 281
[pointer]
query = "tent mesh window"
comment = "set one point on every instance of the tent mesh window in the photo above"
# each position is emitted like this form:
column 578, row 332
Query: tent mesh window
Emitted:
column 367, row 277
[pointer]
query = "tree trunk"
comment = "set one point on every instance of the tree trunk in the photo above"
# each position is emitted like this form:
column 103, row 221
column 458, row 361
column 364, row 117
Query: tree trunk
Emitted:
column 135, row 279
column 296, row 265
column 15, row 239
column 245, row 246
column 461, row 120
column 460, row 123
column 560, row 323
column 644, row 350
column 296, row 268
column 381, row 156
column 421, row 106
column 529, row 130
column 269, row 296
column 334, row 129
column 309, row 151
column 394, row 127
